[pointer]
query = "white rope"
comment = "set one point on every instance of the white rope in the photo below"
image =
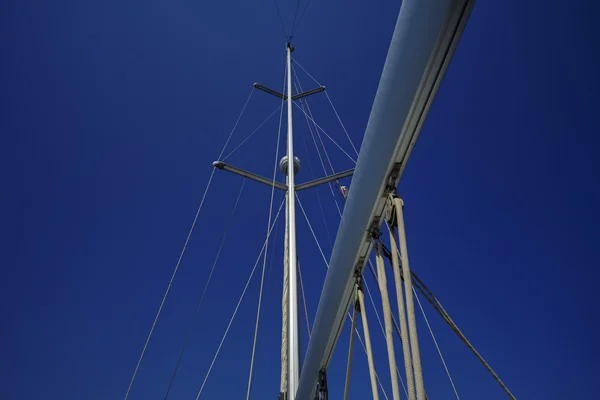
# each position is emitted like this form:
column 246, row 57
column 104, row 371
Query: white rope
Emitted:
column 436, row 344
column 137, row 367
column 365, row 350
column 387, row 315
column 326, row 134
column 410, row 306
column 327, row 265
column 371, row 362
column 307, row 117
column 262, row 277
column 408, row 366
column 370, row 296
column 350, row 347
column 368, row 293
column 238, row 305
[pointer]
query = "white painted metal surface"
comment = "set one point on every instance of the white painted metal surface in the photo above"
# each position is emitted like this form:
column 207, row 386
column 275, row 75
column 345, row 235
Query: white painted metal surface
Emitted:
column 423, row 41
column 293, row 339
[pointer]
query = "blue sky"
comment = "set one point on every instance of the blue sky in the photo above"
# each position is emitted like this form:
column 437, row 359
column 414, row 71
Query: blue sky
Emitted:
column 113, row 112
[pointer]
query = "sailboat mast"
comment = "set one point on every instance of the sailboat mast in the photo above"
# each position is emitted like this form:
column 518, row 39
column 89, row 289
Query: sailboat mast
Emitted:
column 293, row 339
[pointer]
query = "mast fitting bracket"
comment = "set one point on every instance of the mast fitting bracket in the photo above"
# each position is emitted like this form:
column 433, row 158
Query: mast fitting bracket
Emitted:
column 322, row 392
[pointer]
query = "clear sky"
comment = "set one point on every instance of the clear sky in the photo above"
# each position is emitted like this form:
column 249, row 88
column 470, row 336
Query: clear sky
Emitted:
column 113, row 111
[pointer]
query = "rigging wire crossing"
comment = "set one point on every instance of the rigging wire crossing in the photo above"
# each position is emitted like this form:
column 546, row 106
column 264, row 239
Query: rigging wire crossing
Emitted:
column 349, row 315
column 239, row 302
column 262, row 277
column 295, row 25
column 435, row 304
column 380, row 276
column 313, row 134
column 162, row 303
column 339, row 211
column 387, row 312
column 304, row 102
column 189, row 333
column 354, row 148
column 409, row 376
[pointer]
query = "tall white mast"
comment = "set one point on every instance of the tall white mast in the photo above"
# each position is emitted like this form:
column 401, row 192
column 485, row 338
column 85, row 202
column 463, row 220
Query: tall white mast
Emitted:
column 290, row 165
column 293, row 340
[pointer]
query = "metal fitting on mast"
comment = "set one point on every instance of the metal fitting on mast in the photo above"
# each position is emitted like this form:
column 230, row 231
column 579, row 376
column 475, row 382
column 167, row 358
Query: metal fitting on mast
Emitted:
column 322, row 386
column 390, row 214
column 283, row 165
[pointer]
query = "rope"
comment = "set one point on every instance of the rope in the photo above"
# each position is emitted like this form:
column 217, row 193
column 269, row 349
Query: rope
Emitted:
column 262, row 277
column 238, row 305
column 283, row 383
column 187, row 337
column 283, row 386
column 350, row 349
column 410, row 306
column 368, row 292
column 370, row 296
column 160, row 308
column 304, row 299
column 436, row 344
column 365, row 350
column 327, row 265
column 387, row 312
column 369, row 350
column 402, row 316
column 339, row 212
column 437, row 306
